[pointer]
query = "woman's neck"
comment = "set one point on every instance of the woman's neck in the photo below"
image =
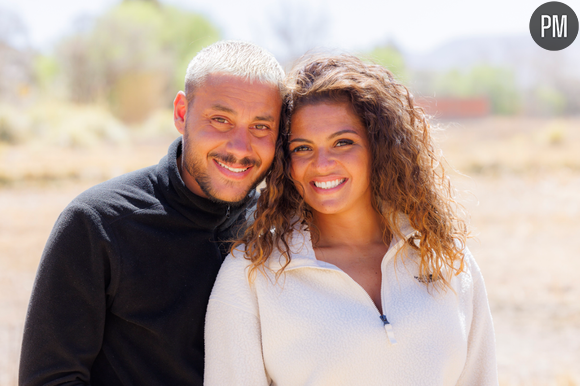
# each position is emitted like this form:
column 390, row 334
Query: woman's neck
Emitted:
column 352, row 229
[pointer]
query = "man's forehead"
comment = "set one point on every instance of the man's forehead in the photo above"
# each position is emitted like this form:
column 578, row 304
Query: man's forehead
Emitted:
column 262, row 115
column 216, row 79
column 229, row 94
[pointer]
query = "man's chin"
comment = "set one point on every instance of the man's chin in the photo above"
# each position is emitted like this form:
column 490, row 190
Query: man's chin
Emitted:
column 232, row 201
column 235, row 195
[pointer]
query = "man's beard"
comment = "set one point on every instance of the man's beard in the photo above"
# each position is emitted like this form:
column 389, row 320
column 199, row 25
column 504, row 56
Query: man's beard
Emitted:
column 193, row 166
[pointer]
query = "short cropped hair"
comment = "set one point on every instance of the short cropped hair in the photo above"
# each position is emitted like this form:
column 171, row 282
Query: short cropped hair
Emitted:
column 236, row 58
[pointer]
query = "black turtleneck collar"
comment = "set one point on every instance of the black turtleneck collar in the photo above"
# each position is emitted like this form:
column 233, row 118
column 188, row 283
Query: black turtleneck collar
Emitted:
column 204, row 213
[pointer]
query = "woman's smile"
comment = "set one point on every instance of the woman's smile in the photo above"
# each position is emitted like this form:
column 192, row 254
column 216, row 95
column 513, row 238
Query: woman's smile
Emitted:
column 329, row 186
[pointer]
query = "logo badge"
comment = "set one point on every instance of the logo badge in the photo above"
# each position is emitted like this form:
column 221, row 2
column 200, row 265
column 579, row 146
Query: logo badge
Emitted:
column 554, row 26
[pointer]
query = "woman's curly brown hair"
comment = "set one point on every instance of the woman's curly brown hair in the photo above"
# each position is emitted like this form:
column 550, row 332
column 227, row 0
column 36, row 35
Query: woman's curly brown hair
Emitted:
column 406, row 177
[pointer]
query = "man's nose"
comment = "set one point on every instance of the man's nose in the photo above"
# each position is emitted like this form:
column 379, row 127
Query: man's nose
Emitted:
column 239, row 142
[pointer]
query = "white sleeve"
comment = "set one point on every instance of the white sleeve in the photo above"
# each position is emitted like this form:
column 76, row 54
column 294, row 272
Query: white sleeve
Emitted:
column 233, row 343
column 480, row 365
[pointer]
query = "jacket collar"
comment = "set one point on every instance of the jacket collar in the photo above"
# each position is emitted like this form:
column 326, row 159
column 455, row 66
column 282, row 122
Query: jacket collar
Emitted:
column 202, row 212
column 303, row 253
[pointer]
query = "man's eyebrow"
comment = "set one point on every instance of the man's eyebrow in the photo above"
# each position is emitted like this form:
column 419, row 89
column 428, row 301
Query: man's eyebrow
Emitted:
column 223, row 108
column 267, row 118
column 333, row 135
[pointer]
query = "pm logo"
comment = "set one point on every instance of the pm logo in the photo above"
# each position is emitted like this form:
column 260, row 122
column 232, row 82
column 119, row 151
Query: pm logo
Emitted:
column 554, row 26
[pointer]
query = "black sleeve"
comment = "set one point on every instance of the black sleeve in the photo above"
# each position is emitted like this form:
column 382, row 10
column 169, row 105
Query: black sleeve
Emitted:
column 66, row 315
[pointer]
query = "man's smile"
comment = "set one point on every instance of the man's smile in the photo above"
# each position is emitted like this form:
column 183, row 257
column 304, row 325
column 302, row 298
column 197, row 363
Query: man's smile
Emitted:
column 235, row 170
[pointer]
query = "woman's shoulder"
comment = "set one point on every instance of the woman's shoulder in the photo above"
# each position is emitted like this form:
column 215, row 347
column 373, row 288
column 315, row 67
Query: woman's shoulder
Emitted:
column 235, row 264
column 470, row 277
column 471, row 267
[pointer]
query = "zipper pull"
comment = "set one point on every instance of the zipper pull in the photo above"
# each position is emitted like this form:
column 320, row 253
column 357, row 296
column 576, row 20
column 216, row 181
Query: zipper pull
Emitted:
column 389, row 329
column 228, row 213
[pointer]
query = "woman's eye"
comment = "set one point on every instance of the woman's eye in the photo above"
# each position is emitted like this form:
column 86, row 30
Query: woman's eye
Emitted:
column 300, row 148
column 343, row 142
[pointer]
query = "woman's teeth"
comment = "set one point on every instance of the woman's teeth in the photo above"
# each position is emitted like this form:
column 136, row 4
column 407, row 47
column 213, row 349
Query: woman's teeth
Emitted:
column 235, row 170
column 329, row 184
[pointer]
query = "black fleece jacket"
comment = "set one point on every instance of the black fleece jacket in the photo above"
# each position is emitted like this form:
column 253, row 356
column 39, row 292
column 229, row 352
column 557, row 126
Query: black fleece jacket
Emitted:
column 122, row 287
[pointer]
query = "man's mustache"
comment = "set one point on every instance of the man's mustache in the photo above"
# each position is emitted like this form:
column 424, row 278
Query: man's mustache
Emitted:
column 232, row 159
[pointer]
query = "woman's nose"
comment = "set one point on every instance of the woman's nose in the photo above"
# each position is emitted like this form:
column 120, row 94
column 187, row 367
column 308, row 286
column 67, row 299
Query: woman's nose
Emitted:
column 324, row 160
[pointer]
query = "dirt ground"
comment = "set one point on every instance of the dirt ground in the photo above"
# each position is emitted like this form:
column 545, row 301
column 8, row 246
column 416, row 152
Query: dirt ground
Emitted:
column 523, row 194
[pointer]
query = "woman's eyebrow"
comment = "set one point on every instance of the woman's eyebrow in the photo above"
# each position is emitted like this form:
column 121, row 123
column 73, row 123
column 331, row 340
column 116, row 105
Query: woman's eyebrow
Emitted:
column 338, row 133
column 341, row 132
column 300, row 140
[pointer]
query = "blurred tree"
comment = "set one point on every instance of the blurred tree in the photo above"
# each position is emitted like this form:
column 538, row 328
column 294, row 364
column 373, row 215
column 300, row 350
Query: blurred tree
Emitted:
column 547, row 101
column 496, row 83
column 569, row 87
column 46, row 70
column 133, row 57
column 15, row 58
column 297, row 27
column 12, row 30
column 185, row 34
column 391, row 57
column 144, row 1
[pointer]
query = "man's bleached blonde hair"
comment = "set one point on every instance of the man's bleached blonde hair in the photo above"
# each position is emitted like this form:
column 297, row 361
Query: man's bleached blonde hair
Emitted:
column 233, row 57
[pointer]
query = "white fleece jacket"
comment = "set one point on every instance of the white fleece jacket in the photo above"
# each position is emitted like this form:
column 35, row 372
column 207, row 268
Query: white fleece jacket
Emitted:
column 317, row 326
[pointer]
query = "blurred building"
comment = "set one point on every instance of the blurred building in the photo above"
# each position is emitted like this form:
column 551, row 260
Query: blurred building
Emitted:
column 455, row 108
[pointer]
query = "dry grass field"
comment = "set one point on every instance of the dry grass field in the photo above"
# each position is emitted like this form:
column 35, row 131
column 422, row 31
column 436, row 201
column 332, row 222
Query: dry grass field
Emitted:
column 520, row 180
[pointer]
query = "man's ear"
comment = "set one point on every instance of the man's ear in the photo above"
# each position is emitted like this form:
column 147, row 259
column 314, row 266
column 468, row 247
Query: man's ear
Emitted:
column 180, row 111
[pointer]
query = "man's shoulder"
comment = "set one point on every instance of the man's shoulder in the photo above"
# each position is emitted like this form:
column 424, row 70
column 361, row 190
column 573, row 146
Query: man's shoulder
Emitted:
column 121, row 195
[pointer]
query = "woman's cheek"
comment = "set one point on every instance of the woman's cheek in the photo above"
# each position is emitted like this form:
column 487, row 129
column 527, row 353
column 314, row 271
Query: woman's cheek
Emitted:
column 295, row 168
column 296, row 176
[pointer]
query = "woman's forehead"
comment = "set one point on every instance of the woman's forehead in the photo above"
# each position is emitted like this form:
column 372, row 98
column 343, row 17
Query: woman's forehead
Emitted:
column 324, row 119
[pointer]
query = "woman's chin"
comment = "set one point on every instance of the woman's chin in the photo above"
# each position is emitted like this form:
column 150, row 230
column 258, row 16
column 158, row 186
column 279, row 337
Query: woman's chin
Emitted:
column 328, row 208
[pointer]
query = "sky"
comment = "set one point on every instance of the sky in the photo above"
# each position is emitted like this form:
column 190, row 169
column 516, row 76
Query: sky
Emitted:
column 414, row 25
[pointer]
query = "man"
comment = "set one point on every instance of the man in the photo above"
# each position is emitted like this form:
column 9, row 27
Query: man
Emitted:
column 126, row 274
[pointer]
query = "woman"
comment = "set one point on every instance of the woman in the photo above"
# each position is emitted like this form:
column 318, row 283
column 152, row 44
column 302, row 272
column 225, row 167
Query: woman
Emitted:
column 354, row 271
